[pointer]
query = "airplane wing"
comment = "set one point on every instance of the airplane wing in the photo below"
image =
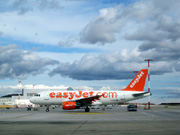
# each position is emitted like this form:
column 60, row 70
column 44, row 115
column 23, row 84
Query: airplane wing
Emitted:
column 88, row 101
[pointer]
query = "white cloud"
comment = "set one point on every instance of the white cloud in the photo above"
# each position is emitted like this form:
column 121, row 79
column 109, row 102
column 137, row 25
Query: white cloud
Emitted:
column 17, row 64
column 102, row 29
column 24, row 6
column 42, row 26
column 102, row 67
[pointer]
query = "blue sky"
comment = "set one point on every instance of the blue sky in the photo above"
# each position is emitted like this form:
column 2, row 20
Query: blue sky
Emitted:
column 90, row 44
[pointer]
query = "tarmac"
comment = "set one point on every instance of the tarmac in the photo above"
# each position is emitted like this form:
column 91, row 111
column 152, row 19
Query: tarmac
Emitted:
column 116, row 121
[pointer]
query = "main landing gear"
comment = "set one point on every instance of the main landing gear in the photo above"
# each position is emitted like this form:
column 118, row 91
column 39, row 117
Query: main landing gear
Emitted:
column 87, row 109
column 47, row 109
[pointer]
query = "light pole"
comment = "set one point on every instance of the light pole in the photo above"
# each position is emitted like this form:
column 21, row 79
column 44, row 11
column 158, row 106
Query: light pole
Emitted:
column 148, row 60
column 33, row 90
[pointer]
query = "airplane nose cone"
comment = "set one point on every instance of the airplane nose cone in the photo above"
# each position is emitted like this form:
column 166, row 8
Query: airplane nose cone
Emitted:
column 31, row 100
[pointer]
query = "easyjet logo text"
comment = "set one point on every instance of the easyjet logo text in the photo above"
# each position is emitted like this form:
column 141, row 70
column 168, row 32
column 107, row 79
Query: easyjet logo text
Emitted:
column 79, row 94
column 137, row 79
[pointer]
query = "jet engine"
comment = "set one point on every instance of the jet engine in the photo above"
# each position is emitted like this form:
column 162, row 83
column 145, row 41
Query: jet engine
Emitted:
column 70, row 105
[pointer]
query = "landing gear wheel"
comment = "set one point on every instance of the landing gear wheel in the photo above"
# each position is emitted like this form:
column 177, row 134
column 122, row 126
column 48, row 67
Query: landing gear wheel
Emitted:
column 47, row 110
column 87, row 109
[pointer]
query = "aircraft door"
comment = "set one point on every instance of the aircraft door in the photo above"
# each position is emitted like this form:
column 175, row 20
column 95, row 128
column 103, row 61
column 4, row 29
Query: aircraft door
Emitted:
column 46, row 95
column 122, row 95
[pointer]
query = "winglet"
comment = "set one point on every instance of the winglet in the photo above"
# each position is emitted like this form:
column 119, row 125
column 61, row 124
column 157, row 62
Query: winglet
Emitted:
column 138, row 83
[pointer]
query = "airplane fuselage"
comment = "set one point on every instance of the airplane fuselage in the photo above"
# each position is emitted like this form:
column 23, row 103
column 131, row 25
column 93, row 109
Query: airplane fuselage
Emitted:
column 106, row 97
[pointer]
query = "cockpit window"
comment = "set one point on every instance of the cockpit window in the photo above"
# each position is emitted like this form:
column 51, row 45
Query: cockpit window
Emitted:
column 37, row 95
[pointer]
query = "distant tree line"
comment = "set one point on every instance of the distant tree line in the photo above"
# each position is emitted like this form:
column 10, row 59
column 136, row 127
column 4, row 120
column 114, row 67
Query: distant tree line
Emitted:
column 170, row 104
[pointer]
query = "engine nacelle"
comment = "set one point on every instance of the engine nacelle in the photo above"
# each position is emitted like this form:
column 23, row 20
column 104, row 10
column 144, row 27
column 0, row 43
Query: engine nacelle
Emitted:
column 70, row 105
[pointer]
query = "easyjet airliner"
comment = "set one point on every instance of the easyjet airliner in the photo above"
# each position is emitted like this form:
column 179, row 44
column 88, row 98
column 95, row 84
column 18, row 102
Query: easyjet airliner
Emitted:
column 76, row 99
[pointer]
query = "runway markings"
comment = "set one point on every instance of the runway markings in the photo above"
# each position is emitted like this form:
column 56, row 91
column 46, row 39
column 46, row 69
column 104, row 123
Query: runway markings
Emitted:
column 86, row 113
column 21, row 116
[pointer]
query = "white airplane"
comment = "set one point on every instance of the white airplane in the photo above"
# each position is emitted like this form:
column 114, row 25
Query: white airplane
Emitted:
column 76, row 99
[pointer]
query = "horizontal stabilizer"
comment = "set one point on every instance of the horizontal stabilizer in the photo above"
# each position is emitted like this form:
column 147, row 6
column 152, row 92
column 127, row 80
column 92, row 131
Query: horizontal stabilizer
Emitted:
column 142, row 94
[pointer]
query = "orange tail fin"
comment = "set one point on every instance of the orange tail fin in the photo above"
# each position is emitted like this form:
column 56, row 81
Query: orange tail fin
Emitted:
column 138, row 83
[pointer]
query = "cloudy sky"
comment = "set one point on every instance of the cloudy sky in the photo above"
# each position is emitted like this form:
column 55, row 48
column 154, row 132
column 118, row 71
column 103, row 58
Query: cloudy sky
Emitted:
column 90, row 44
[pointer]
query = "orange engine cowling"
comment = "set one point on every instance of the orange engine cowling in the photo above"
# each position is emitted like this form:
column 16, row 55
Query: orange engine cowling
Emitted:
column 69, row 105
